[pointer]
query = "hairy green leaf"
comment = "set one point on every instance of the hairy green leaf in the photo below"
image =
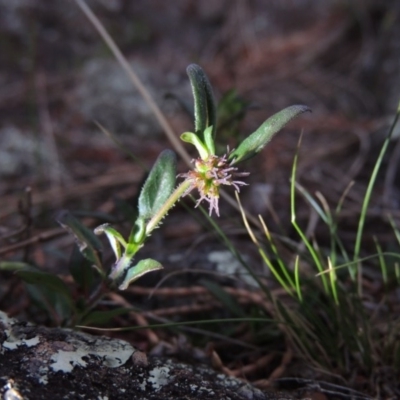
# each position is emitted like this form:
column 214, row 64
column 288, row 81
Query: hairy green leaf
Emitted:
column 159, row 185
column 258, row 139
column 140, row 269
column 205, row 113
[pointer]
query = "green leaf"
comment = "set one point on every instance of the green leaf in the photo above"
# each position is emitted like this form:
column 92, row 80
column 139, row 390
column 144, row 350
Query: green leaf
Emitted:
column 44, row 279
column 141, row 268
column 138, row 232
column 119, row 269
column 192, row 138
column 209, row 141
column 15, row 266
column 158, row 186
column 124, row 264
column 57, row 306
column 47, row 289
column 258, row 139
column 87, row 241
column 113, row 236
column 205, row 113
column 82, row 271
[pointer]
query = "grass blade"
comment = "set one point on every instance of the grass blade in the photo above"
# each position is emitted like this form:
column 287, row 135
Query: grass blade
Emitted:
column 367, row 198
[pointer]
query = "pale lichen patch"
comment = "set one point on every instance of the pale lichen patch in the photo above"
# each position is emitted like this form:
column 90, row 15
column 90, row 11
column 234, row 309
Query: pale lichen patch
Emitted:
column 142, row 385
column 159, row 377
column 13, row 339
column 193, row 388
column 83, row 360
column 71, row 350
column 12, row 342
column 43, row 378
column 65, row 361
column 112, row 353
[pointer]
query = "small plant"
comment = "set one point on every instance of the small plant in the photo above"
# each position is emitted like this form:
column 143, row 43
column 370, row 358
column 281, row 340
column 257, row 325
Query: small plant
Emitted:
column 158, row 195
column 210, row 172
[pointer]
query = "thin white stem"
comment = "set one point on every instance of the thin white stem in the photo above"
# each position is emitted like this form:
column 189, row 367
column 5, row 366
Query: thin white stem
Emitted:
column 135, row 80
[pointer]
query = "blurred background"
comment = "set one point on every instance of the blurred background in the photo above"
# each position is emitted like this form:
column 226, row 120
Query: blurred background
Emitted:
column 57, row 78
column 341, row 58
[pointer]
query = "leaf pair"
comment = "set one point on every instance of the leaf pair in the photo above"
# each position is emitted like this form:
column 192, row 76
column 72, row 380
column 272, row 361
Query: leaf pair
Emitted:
column 155, row 192
column 206, row 122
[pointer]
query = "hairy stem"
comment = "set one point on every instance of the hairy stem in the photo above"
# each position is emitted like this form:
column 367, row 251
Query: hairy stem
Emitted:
column 178, row 192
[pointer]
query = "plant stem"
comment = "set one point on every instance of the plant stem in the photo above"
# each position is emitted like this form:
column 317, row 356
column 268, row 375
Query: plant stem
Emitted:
column 367, row 198
column 153, row 223
column 99, row 292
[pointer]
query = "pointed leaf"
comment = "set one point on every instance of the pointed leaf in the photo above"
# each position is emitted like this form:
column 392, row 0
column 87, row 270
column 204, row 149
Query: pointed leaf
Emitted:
column 140, row 269
column 113, row 236
column 58, row 307
column 48, row 290
column 257, row 140
column 204, row 104
column 50, row 281
column 159, row 185
column 15, row 266
column 87, row 241
column 192, row 138
column 82, row 271
column 209, row 141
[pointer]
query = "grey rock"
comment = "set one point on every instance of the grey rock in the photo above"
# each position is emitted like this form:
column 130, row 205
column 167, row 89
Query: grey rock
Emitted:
column 43, row 363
